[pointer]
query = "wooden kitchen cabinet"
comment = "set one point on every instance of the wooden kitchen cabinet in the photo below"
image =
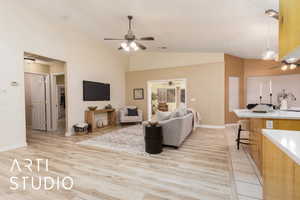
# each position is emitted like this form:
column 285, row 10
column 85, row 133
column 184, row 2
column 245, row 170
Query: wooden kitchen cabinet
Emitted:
column 280, row 174
column 289, row 27
column 297, row 183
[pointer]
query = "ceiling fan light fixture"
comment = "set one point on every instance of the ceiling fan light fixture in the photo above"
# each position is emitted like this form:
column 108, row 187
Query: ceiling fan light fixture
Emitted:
column 293, row 66
column 134, row 46
column 124, row 45
column 284, row 67
column 127, row 49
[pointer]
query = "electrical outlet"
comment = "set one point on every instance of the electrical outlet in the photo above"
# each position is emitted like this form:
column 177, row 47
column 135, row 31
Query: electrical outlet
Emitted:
column 269, row 124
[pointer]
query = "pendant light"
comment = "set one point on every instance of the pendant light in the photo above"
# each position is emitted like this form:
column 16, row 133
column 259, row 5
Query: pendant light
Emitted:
column 269, row 54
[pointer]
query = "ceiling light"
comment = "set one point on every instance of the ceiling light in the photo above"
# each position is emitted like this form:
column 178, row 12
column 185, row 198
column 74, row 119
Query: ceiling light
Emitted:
column 134, row 46
column 272, row 13
column 269, row 55
column 124, row 45
column 293, row 66
column 284, row 67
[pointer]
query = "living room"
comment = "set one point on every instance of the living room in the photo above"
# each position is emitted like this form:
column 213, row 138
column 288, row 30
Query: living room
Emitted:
column 157, row 102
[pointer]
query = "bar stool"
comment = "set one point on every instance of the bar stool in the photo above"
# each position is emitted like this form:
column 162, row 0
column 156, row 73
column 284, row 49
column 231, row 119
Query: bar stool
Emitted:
column 243, row 126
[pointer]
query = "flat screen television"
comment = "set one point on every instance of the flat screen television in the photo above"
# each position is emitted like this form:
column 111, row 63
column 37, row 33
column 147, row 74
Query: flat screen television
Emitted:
column 94, row 91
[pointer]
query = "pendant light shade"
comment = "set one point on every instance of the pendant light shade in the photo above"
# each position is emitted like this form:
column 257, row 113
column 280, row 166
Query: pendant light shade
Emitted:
column 269, row 55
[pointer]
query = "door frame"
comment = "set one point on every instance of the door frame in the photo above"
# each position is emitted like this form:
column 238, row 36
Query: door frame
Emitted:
column 149, row 93
column 47, row 97
column 54, row 117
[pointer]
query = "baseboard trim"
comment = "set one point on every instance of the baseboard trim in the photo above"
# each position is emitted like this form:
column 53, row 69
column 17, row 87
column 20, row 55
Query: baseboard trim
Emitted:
column 12, row 147
column 210, row 126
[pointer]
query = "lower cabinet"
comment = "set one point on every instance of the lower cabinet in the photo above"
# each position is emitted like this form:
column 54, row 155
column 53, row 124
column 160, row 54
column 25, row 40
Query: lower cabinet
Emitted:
column 281, row 174
column 255, row 139
column 297, row 183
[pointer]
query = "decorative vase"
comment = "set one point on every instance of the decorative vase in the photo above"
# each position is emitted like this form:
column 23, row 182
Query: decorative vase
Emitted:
column 284, row 104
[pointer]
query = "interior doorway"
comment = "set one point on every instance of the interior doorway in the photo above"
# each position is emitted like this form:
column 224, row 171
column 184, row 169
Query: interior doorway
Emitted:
column 58, row 101
column 165, row 96
column 45, row 99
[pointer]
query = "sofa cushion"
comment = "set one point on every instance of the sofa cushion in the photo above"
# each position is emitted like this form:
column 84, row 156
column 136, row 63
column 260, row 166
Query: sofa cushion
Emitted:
column 132, row 112
column 180, row 112
column 162, row 116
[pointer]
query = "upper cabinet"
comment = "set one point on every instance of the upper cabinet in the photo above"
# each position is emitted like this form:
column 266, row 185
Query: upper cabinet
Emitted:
column 289, row 29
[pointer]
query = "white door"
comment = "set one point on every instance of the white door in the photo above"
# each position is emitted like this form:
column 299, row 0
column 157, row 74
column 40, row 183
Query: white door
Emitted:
column 38, row 102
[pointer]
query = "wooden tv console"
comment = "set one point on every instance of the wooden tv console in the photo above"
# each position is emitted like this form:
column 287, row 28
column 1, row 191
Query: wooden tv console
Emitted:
column 91, row 119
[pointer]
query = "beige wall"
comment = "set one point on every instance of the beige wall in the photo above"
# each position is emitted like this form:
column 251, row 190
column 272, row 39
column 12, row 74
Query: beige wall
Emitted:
column 57, row 67
column 205, row 83
column 234, row 66
column 86, row 58
column 155, row 60
column 60, row 80
column 36, row 68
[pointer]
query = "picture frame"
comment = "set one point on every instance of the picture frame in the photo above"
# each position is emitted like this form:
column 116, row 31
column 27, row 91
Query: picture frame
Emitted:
column 138, row 93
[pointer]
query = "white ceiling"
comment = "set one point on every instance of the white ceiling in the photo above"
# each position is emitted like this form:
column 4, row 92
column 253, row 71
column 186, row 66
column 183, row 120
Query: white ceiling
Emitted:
column 237, row 27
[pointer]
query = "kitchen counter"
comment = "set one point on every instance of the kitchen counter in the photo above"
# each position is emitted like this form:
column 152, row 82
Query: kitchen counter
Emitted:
column 275, row 120
column 287, row 141
column 277, row 114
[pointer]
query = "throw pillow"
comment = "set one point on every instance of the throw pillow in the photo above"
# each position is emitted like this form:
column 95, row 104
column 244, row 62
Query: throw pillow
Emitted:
column 162, row 116
column 132, row 112
column 175, row 114
column 182, row 112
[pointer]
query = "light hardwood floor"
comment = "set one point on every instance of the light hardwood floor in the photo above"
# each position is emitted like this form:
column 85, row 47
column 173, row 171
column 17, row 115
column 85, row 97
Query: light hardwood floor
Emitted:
column 200, row 169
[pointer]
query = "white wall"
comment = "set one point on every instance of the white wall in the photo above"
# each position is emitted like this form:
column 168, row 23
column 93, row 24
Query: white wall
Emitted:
column 154, row 60
column 289, row 82
column 22, row 30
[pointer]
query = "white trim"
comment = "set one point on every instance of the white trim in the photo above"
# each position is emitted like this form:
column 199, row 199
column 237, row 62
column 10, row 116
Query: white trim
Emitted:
column 210, row 126
column 12, row 147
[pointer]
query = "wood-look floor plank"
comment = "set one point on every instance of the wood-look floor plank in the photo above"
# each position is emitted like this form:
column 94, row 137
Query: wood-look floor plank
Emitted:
column 198, row 170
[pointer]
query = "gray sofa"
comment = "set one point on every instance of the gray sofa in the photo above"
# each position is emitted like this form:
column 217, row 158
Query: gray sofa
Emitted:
column 176, row 130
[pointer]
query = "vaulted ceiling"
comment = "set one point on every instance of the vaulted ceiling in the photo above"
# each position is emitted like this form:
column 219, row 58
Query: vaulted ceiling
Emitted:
column 237, row 27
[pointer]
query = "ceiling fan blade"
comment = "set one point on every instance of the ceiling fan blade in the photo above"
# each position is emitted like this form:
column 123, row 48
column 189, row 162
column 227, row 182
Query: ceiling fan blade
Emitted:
column 31, row 59
column 112, row 39
column 147, row 38
column 141, row 46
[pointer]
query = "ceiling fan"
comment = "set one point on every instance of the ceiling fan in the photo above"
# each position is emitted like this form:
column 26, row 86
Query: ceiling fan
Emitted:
column 287, row 66
column 130, row 41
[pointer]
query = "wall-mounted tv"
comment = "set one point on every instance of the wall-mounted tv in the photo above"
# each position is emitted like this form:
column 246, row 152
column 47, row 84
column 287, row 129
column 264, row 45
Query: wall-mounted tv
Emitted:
column 94, row 91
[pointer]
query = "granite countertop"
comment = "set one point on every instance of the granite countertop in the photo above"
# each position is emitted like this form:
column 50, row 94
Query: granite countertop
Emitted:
column 287, row 141
column 277, row 114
